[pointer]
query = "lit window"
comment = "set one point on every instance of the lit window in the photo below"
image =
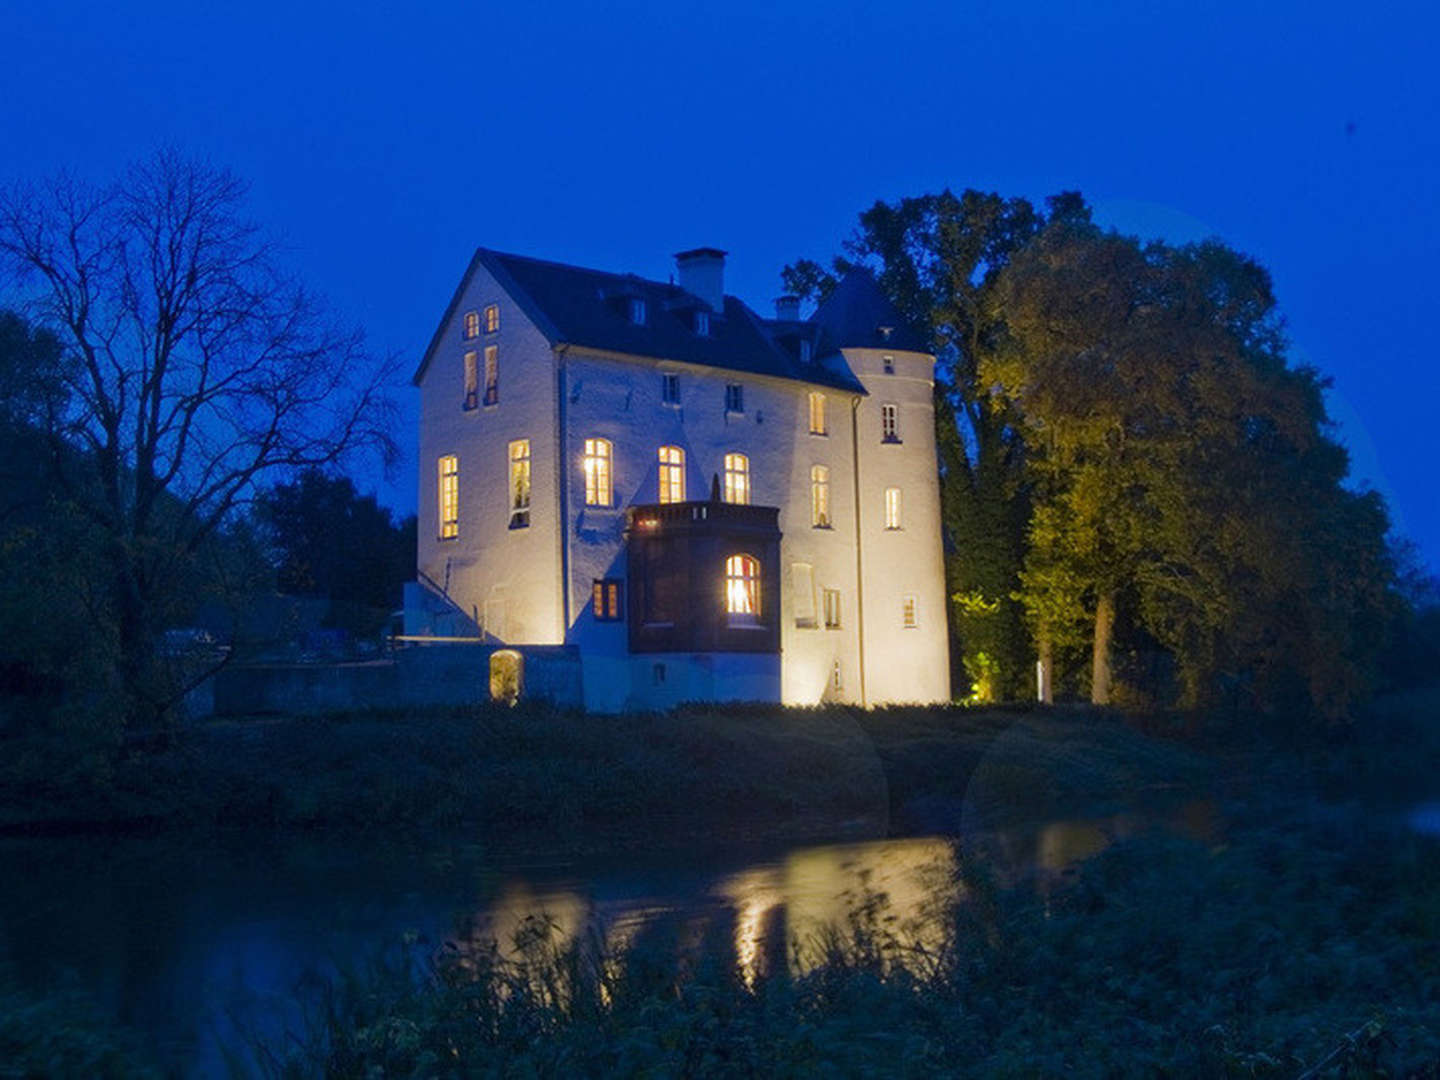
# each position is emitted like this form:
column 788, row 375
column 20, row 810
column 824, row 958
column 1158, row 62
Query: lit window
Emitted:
column 605, row 600
column 832, row 609
column 472, row 325
column 449, row 497
column 802, row 584
column 734, row 397
column 890, row 423
column 519, row 483
column 742, row 587
column 670, row 388
column 702, row 323
column 817, row 413
column 820, row 497
column 889, row 362
column 672, row 474
column 737, row 479
column 597, row 472
column 892, row 508
column 492, row 375
column 472, row 381
column 492, row 318
column 908, row 617
column 637, row 311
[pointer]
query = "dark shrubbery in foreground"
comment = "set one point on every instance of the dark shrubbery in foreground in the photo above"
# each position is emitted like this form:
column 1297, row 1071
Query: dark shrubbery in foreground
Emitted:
column 785, row 772
column 1296, row 941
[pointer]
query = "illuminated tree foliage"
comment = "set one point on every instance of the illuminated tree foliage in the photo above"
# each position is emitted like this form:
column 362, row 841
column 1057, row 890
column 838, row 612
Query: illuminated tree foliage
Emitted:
column 193, row 369
column 1186, row 486
column 938, row 257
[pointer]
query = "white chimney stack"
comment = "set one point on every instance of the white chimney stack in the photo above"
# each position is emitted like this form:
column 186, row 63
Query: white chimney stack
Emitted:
column 787, row 308
column 701, row 272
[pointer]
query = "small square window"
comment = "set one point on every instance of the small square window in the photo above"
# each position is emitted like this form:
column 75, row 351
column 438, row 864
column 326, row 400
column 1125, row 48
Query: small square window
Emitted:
column 670, row 388
column 605, row 600
column 734, row 397
column 492, row 318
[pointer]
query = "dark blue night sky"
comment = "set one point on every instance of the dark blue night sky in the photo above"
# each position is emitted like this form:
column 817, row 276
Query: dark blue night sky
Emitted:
column 386, row 141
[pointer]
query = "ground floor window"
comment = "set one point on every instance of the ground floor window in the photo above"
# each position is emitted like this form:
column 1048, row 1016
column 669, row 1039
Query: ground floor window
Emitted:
column 507, row 676
column 605, row 599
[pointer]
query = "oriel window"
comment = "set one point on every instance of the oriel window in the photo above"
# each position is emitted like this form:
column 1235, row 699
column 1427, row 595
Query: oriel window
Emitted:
column 597, row 472
column 519, row 483
column 672, row 474
column 742, row 587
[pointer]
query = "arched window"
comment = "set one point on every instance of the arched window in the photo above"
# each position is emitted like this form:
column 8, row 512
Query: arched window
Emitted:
column 742, row 588
column 597, row 472
column 737, row 479
column 672, row 474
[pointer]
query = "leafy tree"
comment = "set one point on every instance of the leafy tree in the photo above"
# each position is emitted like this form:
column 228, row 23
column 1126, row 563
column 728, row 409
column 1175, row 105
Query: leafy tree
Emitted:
column 327, row 538
column 1186, row 483
column 194, row 367
column 938, row 257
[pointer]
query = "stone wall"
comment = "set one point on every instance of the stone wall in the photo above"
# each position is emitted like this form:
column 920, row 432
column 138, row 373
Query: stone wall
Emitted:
column 438, row 674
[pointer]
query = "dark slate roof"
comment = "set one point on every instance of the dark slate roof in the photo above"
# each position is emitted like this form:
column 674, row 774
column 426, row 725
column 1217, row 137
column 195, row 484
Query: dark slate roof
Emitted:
column 852, row 317
column 590, row 308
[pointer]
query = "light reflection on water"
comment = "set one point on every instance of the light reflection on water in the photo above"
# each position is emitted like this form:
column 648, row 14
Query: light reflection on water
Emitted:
column 198, row 948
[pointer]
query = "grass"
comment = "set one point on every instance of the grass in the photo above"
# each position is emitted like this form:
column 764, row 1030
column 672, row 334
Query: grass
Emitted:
column 783, row 772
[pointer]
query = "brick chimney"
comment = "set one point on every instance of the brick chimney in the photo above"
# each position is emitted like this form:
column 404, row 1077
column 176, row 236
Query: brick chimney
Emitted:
column 702, row 273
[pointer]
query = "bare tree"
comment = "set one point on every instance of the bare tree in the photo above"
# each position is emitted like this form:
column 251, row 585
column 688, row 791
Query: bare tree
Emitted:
column 195, row 368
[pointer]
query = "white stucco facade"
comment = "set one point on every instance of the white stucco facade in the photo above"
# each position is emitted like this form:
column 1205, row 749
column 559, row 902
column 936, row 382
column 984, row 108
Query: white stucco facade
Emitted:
column 880, row 635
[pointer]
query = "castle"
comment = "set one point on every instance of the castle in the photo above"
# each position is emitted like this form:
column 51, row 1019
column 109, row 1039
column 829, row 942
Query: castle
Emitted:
column 698, row 502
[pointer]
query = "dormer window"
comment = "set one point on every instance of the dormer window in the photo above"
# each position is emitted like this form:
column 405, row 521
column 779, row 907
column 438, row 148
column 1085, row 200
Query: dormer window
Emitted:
column 637, row 310
column 702, row 323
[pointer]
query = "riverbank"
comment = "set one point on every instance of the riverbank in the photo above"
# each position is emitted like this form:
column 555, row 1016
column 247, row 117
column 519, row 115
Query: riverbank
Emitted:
column 752, row 772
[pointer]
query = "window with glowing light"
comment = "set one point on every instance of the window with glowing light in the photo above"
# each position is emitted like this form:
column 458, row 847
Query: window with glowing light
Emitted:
column 605, row 600
column 449, row 497
column 909, row 614
column 817, row 413
column 472, row 325
column 472, row 380
column 492, row 318
column 742, row 588
column 832, row 609
column 597, row 472
column 737, row 479
column 819, row 497
column 892, row 508
column 889, row 423
column 519, row 483
column 492, row 375
column 672, row 474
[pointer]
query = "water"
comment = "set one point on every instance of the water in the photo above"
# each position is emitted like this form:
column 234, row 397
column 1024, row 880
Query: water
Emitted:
column 197, row 943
